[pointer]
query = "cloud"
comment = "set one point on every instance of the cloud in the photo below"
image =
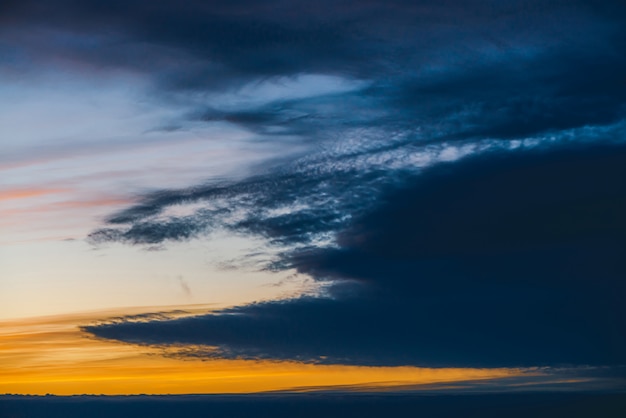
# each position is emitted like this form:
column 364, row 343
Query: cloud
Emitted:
column 25, row 193
column 510, row 62
column 510, row 259
column 184, row 286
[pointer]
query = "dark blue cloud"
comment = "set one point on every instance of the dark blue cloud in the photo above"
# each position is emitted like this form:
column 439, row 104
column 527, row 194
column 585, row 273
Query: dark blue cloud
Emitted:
column 515, row 259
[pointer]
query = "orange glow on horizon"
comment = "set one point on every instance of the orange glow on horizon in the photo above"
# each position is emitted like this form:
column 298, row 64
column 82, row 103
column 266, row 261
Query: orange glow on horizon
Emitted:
column 51, row 355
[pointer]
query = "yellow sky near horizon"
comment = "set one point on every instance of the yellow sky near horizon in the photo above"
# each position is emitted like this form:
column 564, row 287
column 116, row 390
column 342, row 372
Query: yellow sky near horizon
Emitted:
column 52, row 355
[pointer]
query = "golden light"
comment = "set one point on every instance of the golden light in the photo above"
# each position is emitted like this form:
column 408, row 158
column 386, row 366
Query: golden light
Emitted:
column 52, row 355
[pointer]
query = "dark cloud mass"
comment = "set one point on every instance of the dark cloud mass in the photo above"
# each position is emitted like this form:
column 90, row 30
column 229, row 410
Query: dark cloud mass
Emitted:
column 507, row 260
column 460, row 186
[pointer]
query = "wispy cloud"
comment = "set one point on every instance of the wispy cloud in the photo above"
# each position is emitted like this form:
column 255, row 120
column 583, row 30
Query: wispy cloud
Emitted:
column 25, row 193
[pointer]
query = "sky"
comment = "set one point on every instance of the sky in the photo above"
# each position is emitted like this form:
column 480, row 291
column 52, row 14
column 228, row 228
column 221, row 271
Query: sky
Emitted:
column 341, row 195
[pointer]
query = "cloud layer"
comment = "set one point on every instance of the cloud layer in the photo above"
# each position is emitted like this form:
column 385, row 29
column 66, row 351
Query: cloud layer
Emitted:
column 512, row 259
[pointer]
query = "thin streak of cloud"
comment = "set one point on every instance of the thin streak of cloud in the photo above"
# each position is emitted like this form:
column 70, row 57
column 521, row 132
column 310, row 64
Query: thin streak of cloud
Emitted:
column 184, row 286
column 26, row 193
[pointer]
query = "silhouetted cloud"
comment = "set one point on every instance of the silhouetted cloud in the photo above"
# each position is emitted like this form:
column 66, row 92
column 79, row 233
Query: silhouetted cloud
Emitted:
column 510, row 259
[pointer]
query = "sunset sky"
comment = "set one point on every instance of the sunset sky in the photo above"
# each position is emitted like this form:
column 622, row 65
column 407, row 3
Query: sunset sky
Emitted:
column 246, row 196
